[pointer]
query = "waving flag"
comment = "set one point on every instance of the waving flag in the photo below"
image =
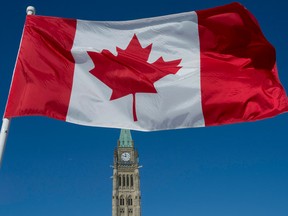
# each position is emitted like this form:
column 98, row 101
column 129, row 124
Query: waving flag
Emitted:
column 193, row 69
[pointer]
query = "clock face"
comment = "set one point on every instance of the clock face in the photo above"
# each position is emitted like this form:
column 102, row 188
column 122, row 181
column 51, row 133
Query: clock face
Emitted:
column 125, row 156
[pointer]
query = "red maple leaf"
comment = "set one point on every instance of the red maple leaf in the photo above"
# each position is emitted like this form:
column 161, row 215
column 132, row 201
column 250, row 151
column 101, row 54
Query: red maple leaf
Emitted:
column 129, row 72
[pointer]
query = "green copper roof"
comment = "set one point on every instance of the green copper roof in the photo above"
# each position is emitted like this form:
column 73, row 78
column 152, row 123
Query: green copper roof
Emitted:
column 125, row 139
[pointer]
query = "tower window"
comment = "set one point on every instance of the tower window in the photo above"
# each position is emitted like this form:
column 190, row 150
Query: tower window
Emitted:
column 123, row 183
column 130, row 201
column 131, row 180
column 119, row 180
column 127, row 177
column 121, row 201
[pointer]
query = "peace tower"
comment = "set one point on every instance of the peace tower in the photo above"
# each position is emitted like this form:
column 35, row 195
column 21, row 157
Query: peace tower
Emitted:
column 126, row 195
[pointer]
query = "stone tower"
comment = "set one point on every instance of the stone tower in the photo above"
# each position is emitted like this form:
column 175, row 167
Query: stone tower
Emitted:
column 126, row 196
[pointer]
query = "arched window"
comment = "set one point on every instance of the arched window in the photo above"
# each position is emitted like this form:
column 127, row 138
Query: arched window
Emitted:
column 127, row 180
column 130, row 202
column 123, row 183
column 131, row 180
column 121, row 201
column 119, row 180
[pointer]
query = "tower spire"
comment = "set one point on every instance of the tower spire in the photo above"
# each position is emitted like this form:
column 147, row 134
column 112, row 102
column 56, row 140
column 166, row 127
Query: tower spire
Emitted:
column 125, row 139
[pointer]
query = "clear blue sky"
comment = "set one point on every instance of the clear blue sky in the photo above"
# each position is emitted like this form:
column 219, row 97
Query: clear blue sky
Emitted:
column 56, row 168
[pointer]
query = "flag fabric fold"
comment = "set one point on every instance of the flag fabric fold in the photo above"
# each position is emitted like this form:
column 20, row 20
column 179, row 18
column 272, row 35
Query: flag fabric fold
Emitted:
column 193, row 69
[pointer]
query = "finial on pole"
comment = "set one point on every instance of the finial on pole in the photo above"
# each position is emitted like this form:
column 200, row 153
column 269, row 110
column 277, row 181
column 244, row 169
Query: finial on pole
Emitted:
column 30, row 10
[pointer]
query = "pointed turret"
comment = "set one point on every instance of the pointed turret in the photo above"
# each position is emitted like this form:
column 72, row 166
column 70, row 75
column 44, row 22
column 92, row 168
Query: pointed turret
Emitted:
column 125, row 139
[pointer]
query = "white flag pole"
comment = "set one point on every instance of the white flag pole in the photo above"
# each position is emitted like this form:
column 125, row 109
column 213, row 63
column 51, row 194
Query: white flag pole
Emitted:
column 6, row 121
column 3, row 136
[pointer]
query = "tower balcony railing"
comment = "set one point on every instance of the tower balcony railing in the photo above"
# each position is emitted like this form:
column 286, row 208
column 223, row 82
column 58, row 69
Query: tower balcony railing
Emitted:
column 126, row 163
column 126, row 187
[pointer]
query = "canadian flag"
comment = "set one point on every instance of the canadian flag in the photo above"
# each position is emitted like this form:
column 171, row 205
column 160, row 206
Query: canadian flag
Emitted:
column 193, row 69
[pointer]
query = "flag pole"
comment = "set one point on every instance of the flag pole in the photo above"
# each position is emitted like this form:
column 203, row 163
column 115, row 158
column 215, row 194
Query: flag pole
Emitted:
column 6, row 121
column 3, row 136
